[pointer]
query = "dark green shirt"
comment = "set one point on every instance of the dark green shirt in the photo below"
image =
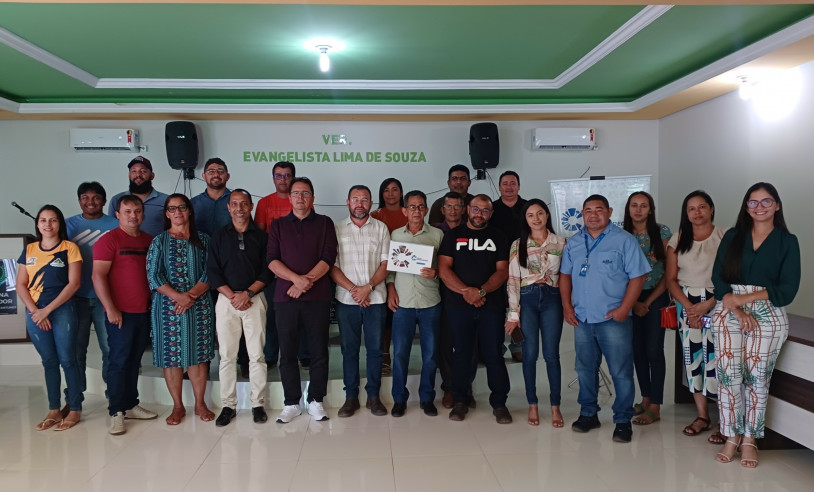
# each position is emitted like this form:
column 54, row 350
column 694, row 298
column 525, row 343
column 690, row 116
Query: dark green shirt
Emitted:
column 775, row 265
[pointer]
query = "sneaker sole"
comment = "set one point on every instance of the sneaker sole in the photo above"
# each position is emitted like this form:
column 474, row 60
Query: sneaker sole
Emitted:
column 584, row 431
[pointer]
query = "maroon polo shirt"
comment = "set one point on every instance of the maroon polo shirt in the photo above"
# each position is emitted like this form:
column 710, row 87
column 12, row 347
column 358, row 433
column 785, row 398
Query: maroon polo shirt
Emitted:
column 300, row 245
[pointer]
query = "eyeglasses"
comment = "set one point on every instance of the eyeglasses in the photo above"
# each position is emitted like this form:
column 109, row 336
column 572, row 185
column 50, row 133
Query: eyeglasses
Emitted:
column 213, row 172
column 458, row 178
column 240, row 243
column 304, row 194
column 766, row 202
column 173, row 208
column 413, row 208
column 456, row 207
column 282, row 176
column 483, row 211
column 363, row 201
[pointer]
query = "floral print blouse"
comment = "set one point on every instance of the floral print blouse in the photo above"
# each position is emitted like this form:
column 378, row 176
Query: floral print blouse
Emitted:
column 542, row 266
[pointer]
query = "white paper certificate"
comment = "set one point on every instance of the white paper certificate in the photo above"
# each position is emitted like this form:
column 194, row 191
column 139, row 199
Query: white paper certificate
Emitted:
column 409, row 257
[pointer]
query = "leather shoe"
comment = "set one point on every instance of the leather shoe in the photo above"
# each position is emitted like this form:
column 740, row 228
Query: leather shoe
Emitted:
column 458, row 412
column 585, row 423
column 429, row 408
column 259, row 415
column 226, row 416
column 376, row 406
column 447, row 401
column 472, row 403
column 502, row 415
column 349, row 407
column 623, row 432
column 398, row 409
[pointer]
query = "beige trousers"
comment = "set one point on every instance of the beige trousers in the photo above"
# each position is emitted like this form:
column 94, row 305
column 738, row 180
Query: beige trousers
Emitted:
column 230, row 324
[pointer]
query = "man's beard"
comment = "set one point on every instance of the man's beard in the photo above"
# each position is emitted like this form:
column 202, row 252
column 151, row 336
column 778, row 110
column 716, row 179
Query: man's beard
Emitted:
column 359, row 216
column 141, row 189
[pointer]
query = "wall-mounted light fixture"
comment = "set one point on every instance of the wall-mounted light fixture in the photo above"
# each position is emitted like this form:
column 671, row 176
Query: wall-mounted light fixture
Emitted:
column 323, row 46
column 773, row 93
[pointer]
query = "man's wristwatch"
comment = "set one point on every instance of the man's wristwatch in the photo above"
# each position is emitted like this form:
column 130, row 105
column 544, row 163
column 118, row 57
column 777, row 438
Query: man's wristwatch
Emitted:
column 481, row 292
column 250, row 293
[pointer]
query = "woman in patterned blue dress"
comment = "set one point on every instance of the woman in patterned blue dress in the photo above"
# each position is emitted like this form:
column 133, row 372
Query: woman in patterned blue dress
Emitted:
column 182, row 315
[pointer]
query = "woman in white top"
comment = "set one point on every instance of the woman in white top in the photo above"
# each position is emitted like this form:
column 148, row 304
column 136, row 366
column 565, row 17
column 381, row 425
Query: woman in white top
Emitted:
column 535, row 305
column 690, row 256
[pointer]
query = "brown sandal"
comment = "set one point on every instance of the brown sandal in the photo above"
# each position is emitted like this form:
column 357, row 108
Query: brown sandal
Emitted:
column 692, row 431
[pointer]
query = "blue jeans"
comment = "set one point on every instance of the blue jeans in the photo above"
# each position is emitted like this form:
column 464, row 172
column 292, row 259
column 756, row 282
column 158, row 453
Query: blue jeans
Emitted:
column 466, row 325
column 127, row 345
column 541, row 318
column 648, row 349
column 404, row 322
column 614, row 340
column 57, row 347
column 90, row 310
column 351, row 318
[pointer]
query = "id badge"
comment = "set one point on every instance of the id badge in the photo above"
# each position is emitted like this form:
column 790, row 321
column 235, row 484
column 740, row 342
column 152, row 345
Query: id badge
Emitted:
column 583, row 270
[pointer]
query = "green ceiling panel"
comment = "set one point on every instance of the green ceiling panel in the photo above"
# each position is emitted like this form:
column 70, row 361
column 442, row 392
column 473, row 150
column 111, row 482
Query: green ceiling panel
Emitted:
column 383, row 43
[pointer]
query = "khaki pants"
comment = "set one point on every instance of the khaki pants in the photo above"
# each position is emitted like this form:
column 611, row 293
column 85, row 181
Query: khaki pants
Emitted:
column 230, row 323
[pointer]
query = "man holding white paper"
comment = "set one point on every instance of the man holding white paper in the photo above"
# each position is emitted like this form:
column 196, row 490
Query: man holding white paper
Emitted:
column 415, row 299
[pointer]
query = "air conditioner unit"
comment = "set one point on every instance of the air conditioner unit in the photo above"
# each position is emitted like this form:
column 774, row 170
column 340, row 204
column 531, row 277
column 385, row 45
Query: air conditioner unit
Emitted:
column 104, row 139
column 563, row 139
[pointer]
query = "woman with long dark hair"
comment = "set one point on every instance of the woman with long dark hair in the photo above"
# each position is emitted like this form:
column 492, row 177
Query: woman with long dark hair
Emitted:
column 182, row 316
column 535, row 306
column 48, row 276
column 690, row 255
column 648, row 335
column 756, row 274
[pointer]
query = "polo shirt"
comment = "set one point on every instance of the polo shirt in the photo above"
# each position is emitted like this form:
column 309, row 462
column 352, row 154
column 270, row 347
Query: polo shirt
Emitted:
column 416, row 291
column 228, row 264
column 84, row 233
column 615, row 260
column 361, row 251
column 300, row 245
column 153, row 211
column 211, row 215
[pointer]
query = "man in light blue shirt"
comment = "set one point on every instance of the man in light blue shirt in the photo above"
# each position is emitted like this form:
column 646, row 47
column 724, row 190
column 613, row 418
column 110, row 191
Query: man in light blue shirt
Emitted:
column 85, row 229
column 141, row 175
column 601, row 276
column 210, row 206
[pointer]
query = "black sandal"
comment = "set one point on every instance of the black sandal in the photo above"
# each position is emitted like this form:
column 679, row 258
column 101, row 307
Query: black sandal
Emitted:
column 716, row 438
column 691, row 431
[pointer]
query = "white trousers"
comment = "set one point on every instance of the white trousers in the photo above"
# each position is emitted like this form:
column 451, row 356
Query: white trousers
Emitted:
column 230, row 324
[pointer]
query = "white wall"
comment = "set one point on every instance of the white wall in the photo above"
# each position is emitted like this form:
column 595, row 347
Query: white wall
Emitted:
column 38, row 167
column 723, row 147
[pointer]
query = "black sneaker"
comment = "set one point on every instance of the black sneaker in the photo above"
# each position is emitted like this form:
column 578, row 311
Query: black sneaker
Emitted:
column 585, row 423
column 623, row 432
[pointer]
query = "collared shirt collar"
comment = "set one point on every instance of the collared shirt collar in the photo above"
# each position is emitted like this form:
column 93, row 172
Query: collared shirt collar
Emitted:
column 406, row 229
column 349, row 221
column 606, row 230
column 205, row 192
column 293, row 218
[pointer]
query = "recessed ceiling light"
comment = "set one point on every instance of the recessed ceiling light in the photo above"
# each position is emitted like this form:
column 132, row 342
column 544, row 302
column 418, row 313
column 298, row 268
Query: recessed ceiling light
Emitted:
column 323, row 46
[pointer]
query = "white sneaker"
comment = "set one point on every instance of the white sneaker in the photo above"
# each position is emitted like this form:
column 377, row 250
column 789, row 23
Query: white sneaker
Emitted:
column 117, row 424
column 140, row 413
column 288, row 413
column 316, row 411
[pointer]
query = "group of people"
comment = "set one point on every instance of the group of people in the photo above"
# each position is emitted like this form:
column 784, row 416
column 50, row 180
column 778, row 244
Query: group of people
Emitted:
column 190, row 272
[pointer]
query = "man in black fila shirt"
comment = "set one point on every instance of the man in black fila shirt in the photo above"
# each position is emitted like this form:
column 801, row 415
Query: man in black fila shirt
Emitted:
column 474, row 265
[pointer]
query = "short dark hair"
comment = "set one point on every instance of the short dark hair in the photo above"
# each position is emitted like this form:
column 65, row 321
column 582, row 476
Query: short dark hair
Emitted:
column 241, row 190
column 63, row 229
column 302, row 180
column 129, row 199
column 284, row 165
column 508, row 173
column 358, row 187
column 93, row 186
column 598, row 198
column 454, row 195
column 413, row 193
column 458, row 167
column 216, row 160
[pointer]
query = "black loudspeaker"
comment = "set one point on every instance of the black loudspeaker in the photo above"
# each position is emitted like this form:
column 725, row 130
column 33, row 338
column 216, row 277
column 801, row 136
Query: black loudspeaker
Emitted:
column 484, row 147
column 182, row 144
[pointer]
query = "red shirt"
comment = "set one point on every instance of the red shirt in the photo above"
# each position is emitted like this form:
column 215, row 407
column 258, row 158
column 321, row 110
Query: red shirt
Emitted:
column 393, row 219
column 271, row 207
column 128, row 272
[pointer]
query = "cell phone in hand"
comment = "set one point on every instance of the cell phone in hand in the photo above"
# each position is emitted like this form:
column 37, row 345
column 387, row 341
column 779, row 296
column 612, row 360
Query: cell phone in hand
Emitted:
column 706, row 321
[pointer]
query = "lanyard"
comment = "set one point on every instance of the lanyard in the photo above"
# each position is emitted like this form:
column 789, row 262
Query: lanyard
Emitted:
column 589, row 250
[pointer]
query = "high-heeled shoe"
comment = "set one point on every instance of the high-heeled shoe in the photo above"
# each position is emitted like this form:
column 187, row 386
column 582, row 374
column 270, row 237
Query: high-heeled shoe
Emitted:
column 722, row 457
column 748, row 462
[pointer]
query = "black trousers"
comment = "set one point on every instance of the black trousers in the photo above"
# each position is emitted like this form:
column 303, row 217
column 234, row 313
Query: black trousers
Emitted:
column 310, row 318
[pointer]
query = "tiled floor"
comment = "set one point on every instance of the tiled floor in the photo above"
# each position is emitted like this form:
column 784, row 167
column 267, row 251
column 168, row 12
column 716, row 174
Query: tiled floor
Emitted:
column 413, row 453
